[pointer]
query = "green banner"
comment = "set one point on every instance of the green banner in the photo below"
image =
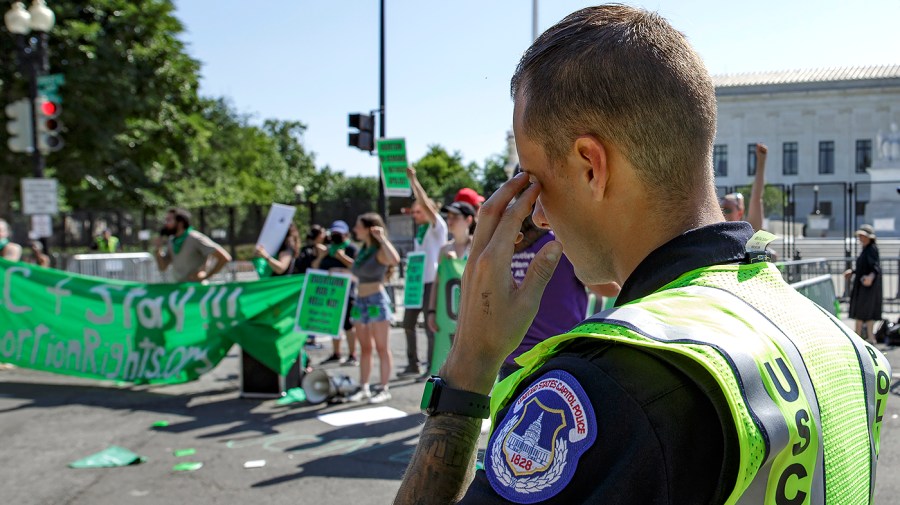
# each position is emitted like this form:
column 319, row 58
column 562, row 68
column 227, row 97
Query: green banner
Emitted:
column 449, row 277
column 143, row 333
column 414, row 289
column 323, row 303
column 392, row 153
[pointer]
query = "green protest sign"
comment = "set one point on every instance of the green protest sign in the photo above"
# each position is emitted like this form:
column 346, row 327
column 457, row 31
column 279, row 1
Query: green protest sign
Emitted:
column 90, row 327
column 323, row 303
column 392, row 154
column 414, row 290
column 449, row 277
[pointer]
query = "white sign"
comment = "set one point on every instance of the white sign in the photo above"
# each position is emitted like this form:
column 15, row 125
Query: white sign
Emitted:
column 41, row 226
column 39, row 196
column 276, row 227
column 883, row 224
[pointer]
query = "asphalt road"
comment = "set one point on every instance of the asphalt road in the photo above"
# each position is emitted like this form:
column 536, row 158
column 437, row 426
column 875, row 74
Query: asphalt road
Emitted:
column 48, row 421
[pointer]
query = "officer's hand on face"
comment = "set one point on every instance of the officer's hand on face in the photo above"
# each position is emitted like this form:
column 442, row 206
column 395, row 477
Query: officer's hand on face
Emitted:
column 495, row 312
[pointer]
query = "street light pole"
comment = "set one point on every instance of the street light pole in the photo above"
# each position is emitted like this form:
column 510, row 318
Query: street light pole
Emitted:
column 33, row 58
column 382, row 200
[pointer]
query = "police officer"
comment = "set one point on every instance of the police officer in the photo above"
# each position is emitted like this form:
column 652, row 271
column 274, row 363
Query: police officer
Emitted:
column 711, row 381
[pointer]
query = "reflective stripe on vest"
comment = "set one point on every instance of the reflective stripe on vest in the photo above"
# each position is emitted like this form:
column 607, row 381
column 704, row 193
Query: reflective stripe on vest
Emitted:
column 763, row 377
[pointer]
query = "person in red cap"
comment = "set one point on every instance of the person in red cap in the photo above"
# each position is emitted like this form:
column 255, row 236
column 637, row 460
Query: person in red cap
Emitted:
column 469, row 196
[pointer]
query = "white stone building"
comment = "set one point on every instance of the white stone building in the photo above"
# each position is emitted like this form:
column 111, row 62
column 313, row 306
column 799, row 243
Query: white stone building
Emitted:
column 823, row 129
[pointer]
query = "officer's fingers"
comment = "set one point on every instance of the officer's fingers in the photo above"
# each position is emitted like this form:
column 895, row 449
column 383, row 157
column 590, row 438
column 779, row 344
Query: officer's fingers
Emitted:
column 540, row 272
column 508, row 229
column 492, row 212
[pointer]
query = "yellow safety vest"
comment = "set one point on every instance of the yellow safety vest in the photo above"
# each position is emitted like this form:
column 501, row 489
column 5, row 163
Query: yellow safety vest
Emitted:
column 105, row 246
column 805, row 393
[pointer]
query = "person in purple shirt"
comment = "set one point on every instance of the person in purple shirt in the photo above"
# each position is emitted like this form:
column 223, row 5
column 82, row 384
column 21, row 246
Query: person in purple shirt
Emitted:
column 564, row 302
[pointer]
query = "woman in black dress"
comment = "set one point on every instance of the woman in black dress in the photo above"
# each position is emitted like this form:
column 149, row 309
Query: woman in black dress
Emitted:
column 865, row 291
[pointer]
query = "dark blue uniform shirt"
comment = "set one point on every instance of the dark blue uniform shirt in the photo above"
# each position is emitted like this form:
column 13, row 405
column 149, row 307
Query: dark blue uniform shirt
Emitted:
column 662, row 437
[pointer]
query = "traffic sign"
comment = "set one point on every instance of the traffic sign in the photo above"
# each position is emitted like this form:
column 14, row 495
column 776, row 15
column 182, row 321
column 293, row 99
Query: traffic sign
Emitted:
column 48, row 85
column 39, row 196
column 41, row 226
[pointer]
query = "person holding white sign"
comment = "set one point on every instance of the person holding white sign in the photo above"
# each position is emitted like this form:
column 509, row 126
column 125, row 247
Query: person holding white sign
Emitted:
column 431, row 235
column 9, row 251
column 372, row 315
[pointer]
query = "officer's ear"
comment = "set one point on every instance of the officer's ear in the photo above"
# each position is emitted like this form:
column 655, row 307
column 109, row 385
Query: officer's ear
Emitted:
column 591, row 158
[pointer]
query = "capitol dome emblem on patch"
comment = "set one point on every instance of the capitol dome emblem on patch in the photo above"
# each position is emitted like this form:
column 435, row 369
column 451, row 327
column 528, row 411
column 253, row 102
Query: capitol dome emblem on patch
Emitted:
column 533, row 454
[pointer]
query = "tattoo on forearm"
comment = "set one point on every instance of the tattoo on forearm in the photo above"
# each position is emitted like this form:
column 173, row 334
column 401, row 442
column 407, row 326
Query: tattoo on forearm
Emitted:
column 486, row 303
column 443, row 464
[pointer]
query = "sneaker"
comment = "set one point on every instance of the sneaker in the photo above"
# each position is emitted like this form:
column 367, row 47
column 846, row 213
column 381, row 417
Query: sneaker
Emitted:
column 362, row 394
column 351, row 361
column 409, row 371
column 380, row 397
column 334, row 358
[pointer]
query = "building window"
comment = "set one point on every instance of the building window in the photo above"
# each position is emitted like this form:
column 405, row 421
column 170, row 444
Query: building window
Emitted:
column 751, row 159
column 863, row 155
column 789, row 158
column 720, row 160
column 826, row 157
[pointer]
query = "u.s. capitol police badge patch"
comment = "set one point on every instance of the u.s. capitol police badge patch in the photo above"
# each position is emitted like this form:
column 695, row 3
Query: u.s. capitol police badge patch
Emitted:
column 533, row 453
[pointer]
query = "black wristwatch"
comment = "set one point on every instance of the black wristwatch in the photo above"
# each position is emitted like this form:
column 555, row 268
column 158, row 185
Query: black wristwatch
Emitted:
column 439, row 398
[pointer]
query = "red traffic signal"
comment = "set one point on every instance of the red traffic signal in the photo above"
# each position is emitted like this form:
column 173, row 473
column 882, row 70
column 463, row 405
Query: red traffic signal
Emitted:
column 49, row 108
column 48, row 126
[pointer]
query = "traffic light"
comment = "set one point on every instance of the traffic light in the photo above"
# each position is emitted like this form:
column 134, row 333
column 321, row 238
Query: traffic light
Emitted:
column 19, row 126
column 48, row 125
column 365, row 138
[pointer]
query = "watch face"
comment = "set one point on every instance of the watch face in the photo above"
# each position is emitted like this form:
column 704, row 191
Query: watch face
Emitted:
column 426, row 395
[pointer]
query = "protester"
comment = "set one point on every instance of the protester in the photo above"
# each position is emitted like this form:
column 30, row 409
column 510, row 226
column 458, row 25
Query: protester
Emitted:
column 37, row 254
column 286, row 261
column 431, row 234
column 373, row 317
column 9, row 251
column 866, row 293
column 461, row 222
column 314, row 237
column 471, row 197
column 733, row 204
column 711, row 381
column 187, row 250
column 338, row 256
column 106, row 242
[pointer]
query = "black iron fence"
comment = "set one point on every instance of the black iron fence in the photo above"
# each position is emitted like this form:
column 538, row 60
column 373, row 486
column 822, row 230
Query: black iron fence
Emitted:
column 801, row 270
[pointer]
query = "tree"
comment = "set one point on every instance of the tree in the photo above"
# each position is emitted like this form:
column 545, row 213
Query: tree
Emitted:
column 443, row 174
column 494, row 174
column 130, row 105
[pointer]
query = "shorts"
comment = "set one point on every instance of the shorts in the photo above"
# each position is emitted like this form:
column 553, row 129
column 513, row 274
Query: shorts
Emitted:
column 372, row 309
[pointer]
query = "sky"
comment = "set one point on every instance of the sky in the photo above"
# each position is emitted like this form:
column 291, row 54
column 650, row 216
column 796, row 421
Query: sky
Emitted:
column 448, row 63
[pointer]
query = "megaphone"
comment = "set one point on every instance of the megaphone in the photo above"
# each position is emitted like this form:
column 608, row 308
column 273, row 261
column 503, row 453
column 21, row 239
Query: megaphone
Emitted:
column 320, row 386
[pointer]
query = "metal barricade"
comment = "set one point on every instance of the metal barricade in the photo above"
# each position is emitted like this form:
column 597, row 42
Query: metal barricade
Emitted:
column 139, row 267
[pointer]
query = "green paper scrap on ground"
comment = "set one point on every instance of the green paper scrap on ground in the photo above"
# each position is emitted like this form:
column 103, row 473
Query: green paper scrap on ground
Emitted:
column 179, row 453
column 292, row 395
column 112, row 456
column 159, row 424
column 187, row 466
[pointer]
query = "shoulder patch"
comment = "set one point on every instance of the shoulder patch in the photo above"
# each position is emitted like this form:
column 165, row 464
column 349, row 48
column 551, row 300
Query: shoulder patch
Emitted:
column 533, row 453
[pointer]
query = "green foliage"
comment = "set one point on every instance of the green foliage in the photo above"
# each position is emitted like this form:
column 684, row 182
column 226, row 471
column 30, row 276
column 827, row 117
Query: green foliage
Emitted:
column 494, row 173
column 443, row 174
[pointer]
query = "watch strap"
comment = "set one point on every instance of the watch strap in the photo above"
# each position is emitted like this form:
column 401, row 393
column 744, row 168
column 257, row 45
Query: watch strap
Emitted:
column 463, row 403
